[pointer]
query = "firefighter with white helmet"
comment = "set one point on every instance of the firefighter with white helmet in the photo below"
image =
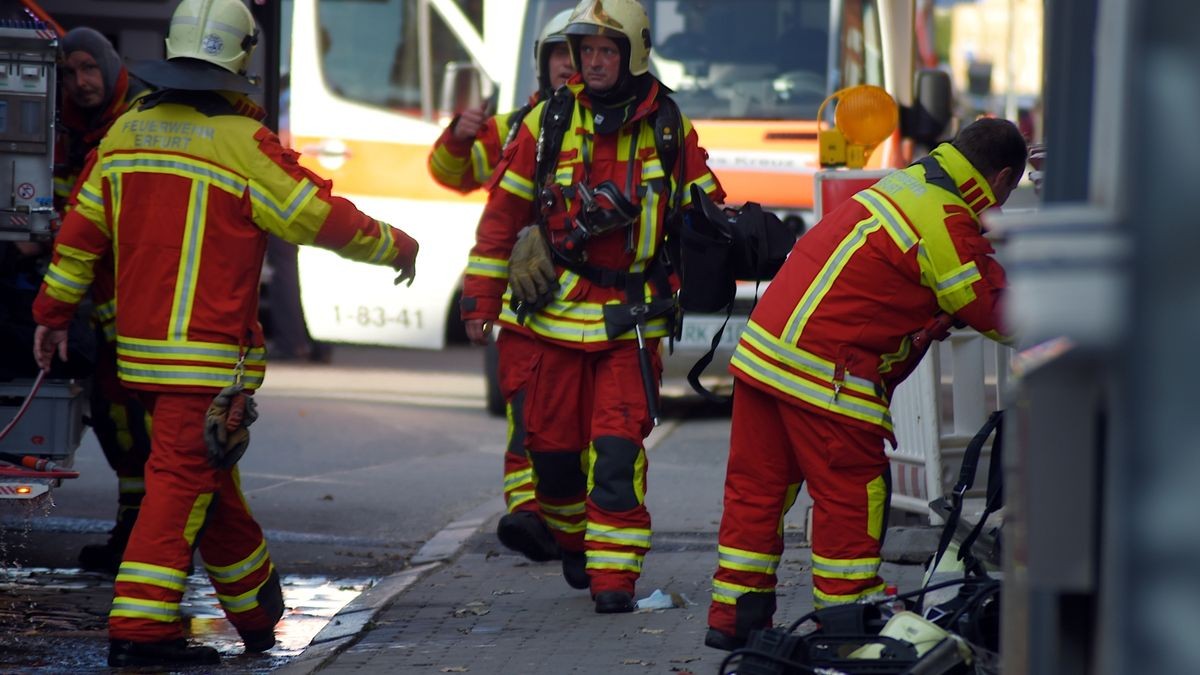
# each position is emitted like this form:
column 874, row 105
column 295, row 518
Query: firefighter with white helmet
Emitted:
column 183, row 192
column 463, row 159
column 588, row 287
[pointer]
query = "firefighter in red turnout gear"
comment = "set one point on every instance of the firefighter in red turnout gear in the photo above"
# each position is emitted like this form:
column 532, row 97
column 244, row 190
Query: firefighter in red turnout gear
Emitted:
column 463, row 159
column 585, row 387
column 98, row 90
column 824, row 350
column 182, row 191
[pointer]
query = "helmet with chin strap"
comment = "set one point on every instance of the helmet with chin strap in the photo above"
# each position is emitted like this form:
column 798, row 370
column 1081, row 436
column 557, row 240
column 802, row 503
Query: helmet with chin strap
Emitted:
column 621, row 20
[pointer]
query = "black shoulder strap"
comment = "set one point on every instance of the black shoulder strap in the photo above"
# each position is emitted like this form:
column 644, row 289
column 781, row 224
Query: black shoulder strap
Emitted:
column 515, row 118
column 668, row 132
column 556, row 117
column 936, row 175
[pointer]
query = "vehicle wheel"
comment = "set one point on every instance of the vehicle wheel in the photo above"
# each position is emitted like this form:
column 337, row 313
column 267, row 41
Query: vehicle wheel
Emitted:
column 491, row 371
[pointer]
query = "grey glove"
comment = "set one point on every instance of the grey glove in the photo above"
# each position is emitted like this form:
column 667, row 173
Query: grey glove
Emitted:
column 530, row 269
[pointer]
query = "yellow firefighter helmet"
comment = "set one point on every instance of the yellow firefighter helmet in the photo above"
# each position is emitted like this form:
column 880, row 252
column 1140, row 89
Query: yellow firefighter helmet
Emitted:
column 615, row 19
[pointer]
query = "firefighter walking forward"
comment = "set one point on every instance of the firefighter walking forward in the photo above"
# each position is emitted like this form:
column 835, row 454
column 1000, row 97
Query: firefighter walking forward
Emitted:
column 823, row 351
column 463, row 159
column 590, row 284
column 182, row 192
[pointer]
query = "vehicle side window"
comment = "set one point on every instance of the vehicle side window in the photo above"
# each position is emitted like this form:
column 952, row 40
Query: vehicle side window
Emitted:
column 861, row 44
column 371, row 51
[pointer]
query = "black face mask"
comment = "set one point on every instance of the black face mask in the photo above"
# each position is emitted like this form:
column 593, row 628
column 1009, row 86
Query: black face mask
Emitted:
column 611, row 113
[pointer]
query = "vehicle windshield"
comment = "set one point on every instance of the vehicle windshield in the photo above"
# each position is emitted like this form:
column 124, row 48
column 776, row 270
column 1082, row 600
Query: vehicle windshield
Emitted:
column 725, row 59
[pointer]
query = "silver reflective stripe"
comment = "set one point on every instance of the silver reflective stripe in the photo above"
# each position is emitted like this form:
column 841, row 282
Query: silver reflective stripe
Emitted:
column 123, row 368
column 797, row 385
column 834, row 568
column 238, row 571
column 617, row 535
column 613, row 558
column 191, row 262
column 833, row 267
column 224, row 352
column 769, row 343
column 767, row 566
column 209, row 175
column 968, row 271
column 53, row 274
column 880, row 209
column 168, row 613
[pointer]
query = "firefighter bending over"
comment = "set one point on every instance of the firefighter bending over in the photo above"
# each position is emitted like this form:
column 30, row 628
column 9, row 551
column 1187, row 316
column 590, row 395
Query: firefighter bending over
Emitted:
column 182, row 192
column 463, row 159
column 841, row 325
column 589, row 287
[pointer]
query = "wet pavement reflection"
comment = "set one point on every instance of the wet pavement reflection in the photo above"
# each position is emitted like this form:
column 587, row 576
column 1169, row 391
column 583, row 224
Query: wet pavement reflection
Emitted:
column 54, row 620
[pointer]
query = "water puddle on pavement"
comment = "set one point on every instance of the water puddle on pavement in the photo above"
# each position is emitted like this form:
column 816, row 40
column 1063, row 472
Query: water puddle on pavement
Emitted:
column 48, row 614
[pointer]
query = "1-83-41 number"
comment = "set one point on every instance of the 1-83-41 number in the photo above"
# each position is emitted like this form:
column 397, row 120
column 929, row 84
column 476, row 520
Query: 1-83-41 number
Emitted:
column 377, row 316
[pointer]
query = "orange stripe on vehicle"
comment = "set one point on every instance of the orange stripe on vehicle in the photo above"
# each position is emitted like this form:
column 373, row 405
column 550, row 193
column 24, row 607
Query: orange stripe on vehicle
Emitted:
column 742, row 155
column 380, row 169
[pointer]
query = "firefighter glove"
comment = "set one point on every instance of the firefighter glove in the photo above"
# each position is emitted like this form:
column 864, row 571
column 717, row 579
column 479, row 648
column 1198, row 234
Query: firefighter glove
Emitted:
column 225, row 426
column 530, row 269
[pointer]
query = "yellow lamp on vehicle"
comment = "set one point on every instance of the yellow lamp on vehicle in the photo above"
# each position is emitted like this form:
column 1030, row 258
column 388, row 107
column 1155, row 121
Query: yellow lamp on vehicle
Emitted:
column 865, row 115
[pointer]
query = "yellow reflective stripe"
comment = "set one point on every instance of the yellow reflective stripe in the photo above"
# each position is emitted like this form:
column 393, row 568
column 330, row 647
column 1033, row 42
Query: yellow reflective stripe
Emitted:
column 189, row 261
column 106, row 311
column 114, row 189
column 517, row 184
column 137, row 608
column 517, row 498
column 565, row 175
column 197, row 516
column 516, row 479
column 746, row 561
column 614, row 560
column 562, row 525
column 633, row 536
column 88, row 193
column 153, row 575
column 822, row 397
column 845, row 250
column 303, row 191
column 188, row 350
column 487, row 267
column 707, row 184
column 190, row 168
column 900, row 355
column 727, row 593
column 821, row 600
column 62, row 287
column 576, row 331
column 243, row 602
column 639, row 477
column 239, row 570
column 877, row 496
column 789, row 500
column 652, row 169
column 804, row 360
column 648, row 227
column 849, row 568
column 575, row 509
column 894, row 223
column 447, row 167
column 479, row 162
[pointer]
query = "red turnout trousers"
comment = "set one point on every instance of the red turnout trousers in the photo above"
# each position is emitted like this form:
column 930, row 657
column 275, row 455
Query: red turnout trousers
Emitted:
column 592, row 500
column 189, row 504
column 774, row 447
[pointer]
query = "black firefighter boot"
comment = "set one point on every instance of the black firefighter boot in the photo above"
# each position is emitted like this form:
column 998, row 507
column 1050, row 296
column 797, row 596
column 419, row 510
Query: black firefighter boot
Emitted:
column 526, row 533
column 106, row 557
column 125, row 653
column 754, row 612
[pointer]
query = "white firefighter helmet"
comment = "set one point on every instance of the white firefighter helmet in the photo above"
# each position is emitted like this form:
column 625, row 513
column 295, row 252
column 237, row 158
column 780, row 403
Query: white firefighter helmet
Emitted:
column 616, row 19
column 204, row 34
column 551, row 35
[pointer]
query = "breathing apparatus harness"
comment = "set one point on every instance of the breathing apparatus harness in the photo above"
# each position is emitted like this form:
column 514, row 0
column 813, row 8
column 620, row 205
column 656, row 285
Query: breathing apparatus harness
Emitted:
column 604, row 209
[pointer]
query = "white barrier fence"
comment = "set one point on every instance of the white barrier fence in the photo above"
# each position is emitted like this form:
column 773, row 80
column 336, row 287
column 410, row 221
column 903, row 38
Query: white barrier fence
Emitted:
column 937, row 411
